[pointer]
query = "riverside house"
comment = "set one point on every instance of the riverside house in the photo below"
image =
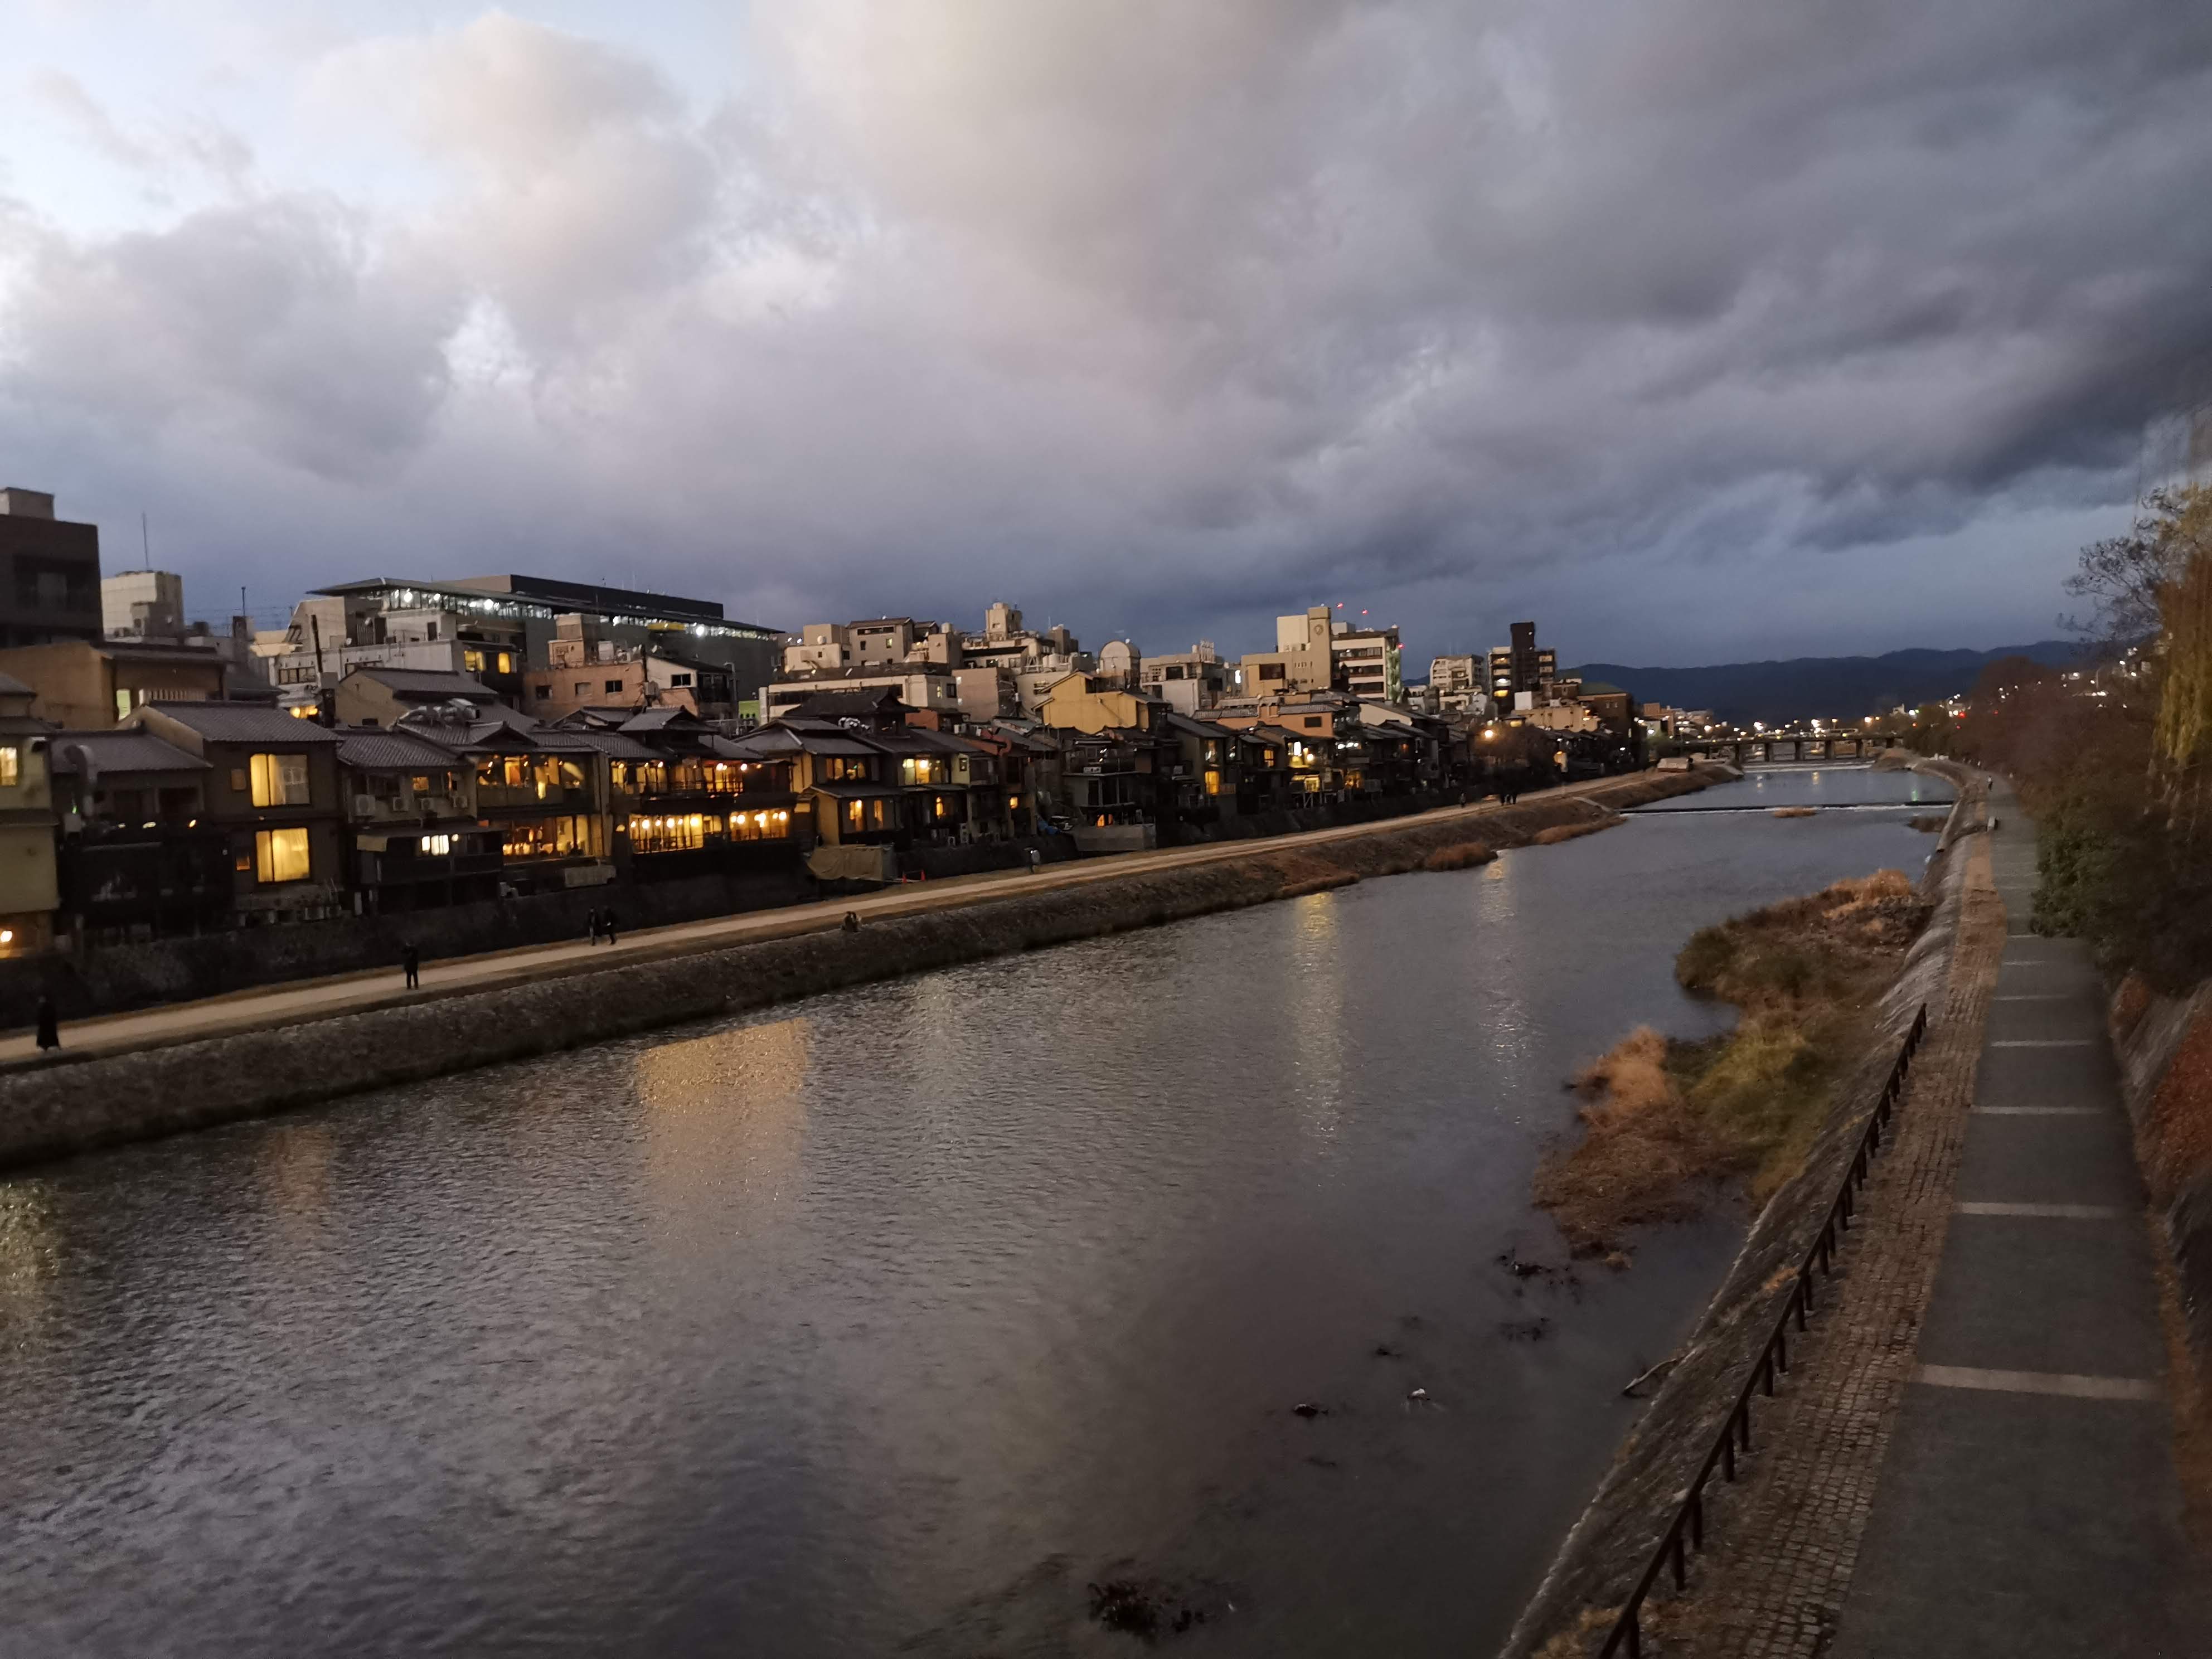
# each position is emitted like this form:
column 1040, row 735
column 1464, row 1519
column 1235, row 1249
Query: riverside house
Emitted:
column 137, row 858
column 415, row 837
column 273, row 789
column 542, row 790
column 28, row 890
column 684, row 800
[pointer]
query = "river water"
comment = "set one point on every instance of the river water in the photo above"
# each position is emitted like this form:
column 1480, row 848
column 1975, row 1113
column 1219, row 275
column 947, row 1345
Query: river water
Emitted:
column 890, row 1321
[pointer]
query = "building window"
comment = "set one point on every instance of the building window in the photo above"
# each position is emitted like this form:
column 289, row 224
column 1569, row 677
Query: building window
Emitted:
column 1313, row 722
column 1272, row 671
column 543, row 691
column 12, row 766
column 506, row 662
column 435, row 846
column 762, row 826
column 613, row 685
column 472, row 661
column 280, row 779
column 280, row 854
column 561, row 837
column 676, row 833
column 1214, row 783
column 679, row 679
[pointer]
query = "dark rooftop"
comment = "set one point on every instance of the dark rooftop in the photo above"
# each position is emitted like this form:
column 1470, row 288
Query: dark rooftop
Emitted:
column 240, row 722
column 124, row 749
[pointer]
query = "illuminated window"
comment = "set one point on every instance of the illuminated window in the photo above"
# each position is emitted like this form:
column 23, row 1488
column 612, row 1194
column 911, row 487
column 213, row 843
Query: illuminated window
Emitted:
column 473, row 660
column 122, row 704
column 11, row 764
column 1214, row 783
column 853, row 810
column 280, row 779
column 506, row 662
column 435, row 845
column 280, row 854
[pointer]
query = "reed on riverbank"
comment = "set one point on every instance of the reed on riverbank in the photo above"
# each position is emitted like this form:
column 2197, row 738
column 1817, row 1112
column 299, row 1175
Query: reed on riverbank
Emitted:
column 1669, row 1121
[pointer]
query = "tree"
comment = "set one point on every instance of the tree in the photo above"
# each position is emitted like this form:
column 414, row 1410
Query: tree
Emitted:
column 2122, row 576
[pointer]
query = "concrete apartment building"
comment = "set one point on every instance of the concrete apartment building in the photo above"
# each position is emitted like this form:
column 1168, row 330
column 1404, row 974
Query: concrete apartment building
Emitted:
column 142, row 605
column 49, row 573
column 496, row 630
column 1366, row 663
column 1187, row 680
column 1460, row 684
column 1519, row 672
column 1314, row 653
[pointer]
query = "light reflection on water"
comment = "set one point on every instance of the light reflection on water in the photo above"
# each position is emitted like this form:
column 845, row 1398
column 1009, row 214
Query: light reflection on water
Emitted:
column 887, row 1321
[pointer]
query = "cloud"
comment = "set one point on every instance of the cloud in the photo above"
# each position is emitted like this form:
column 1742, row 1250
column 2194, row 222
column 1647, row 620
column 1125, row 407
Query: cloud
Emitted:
column 1169, row 316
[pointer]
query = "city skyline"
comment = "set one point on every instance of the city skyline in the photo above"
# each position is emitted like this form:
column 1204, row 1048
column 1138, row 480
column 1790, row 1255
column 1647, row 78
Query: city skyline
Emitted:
column 1699, row 340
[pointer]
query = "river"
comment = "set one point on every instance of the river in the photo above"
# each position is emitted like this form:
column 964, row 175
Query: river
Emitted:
column 888, row 1321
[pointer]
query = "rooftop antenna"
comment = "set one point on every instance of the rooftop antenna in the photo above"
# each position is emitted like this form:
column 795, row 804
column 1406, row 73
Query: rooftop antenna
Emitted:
column 145, row 541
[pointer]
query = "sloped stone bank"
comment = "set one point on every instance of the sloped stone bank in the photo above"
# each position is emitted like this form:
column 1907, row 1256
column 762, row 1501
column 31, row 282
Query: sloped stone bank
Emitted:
column 74, row 1107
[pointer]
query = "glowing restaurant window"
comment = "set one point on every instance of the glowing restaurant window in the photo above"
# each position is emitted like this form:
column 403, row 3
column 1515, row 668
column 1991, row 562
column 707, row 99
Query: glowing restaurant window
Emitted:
column 761, row 826
column 280, row 854
column 12, row 766
column 675, row 832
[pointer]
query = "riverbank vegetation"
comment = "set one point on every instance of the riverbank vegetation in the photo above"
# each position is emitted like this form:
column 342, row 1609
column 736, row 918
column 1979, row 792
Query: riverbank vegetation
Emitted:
column 1670, row 1123
column 2114, row 758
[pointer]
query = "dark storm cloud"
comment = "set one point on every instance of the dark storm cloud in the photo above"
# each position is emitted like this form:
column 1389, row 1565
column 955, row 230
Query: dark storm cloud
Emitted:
column 1172, row 316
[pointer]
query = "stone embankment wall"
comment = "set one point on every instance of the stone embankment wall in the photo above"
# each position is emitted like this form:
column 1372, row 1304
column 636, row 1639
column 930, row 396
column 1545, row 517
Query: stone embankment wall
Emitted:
column 1605, row 1552
column 2164, row 1048
column 67, row 1106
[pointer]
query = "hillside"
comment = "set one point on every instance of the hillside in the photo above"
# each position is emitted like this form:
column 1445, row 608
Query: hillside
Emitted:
column 1835, row 688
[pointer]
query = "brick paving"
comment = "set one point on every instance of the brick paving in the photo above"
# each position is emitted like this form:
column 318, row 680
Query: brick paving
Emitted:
column 1785, row 1540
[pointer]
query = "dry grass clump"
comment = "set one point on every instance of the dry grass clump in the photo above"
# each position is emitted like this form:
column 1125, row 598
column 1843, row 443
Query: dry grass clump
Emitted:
column 1560, row 832
column 1462, row 855
column 1669, row 1119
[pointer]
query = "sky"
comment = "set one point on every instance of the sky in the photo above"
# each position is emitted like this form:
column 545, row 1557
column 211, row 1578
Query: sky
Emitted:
column 1695, row 330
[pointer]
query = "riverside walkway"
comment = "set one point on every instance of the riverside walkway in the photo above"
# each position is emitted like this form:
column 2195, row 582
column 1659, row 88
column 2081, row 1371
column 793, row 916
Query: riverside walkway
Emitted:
column 297, row 1001
column 2029, row 1502
column 1973, row 1453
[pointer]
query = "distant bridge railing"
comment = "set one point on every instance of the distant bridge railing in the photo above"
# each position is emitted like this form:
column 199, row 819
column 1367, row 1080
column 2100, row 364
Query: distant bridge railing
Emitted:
column 1687, row 1529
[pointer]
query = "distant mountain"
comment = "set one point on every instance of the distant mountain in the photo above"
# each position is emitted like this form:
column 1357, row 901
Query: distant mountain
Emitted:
column 1836, row 687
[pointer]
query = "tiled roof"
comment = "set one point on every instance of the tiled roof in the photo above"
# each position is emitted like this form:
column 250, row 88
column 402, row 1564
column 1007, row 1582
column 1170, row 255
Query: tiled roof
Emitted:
column 242, row 722
column 122, row 750
column 615, row 746
column 429, row 682
column 390, row 751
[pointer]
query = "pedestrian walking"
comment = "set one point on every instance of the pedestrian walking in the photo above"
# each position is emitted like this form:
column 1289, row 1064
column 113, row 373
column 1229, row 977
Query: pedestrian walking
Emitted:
column 1035, row 859
column 852, row 921
column 410, row 959
column 592, row 920
column 49, row 1025
column 607, row 925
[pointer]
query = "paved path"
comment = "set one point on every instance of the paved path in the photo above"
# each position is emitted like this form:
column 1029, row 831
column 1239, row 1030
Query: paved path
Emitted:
column 2029, row 1502
column 320, row 999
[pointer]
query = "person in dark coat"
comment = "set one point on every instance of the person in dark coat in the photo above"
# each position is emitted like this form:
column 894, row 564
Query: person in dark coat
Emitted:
column 49, row 1025
column 607, row 924
column 410, row 959
column 592, row 920
column 852, row 921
